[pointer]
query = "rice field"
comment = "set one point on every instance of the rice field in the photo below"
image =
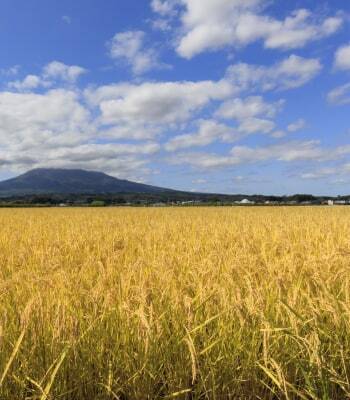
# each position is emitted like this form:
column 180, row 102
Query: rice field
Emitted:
column 175, row 303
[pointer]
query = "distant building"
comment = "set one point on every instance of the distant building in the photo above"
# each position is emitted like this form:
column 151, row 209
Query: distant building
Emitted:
column 330, row 202
column 246, row 201
column 340, row 202
column 159, row 205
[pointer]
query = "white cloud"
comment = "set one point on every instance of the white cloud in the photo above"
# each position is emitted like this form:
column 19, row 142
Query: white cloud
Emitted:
column 55, row 129
column 299, row 29
column 342, row 58
column 245, row 111
column 208, row 132
column 52, row 72
column 292, row 72
column 319, row 174
column 166, row 10
column 256, row 125
column 11, row 71
column 131, row 131
column 28, row 83
column 145, row 110
column 278, row 134
column 210, row 25
column 340, row 95
column 287, row 152
column 215, row 24
column 90, row 152
column 129, row 47
column 46, row 119
column 250, row 107
column 122, row 166
column 284, row 152
column 326, row 172
column 161, row 24
column 251, row 114
column 65, row 127
column 296, row 126
column 67, row 73
column 156, row 103
column 165, row 7
column 202, row 160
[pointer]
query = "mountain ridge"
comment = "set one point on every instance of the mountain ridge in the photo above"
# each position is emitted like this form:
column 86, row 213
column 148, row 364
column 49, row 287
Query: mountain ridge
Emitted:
column 73, row 181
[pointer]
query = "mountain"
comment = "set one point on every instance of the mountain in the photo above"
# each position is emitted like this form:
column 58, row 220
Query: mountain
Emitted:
column 73, row 181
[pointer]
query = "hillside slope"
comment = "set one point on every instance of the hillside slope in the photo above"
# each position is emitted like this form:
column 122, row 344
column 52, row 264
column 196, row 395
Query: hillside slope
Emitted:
column 60, row 181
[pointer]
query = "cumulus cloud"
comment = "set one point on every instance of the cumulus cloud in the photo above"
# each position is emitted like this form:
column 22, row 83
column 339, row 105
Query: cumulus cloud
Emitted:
column 103, row 155
column 208, row 132
column 145, row 110
column 91, row 151
column 161, row 24
column 114, row 127
column 28, row 83
column 56, row 129
column 213, row 24
column 250, row 107
column 165, row 7
column 340, row 95
column 67, row 73
column 245, row 112
column 122, row 166
column 130, row 131
column 256, row 125
column 292, row 72
column 253, row 115
column 284, row 152
column 148, row 109
column 54, row 72
column 166, row 10
column 342, row 58
column 154, row 103
column 129, row 47
column 45, row 119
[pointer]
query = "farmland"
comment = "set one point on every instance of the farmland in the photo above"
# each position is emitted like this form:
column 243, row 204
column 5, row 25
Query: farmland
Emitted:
column 183, row 303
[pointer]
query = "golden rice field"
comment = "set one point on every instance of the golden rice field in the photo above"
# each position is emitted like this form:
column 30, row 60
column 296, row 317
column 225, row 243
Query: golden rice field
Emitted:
column 175, row 303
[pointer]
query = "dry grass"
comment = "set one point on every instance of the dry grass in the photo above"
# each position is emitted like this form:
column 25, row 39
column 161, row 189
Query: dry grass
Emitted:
column 216, row 303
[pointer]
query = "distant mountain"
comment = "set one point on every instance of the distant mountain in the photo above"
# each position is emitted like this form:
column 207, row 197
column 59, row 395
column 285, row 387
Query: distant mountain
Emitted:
column 73, row 181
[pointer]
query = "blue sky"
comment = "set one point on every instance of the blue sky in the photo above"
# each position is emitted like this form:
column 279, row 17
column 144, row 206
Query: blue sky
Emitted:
column 223, row 96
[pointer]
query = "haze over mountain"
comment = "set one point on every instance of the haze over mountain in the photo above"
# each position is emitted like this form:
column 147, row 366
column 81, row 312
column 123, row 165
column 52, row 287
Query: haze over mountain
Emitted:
column 61, row 181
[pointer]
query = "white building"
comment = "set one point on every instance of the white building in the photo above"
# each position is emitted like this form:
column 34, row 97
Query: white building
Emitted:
column 246, row 201
column 340, row 202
